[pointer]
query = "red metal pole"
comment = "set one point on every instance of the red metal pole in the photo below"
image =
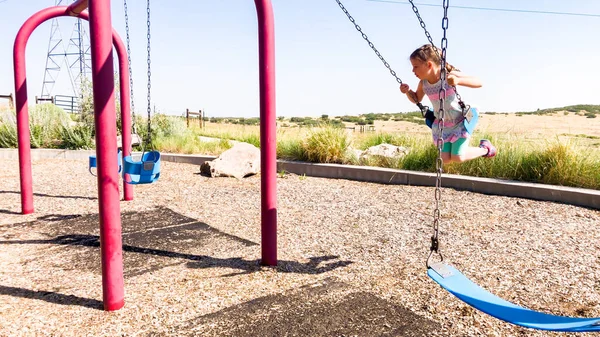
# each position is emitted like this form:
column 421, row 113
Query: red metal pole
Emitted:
column 268, row 132
column 106, row 153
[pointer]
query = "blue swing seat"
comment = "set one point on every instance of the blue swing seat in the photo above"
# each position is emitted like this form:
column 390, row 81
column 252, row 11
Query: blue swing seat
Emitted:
column 93, row 163
column 460, row 286
column 469, row 123
column 145, row 171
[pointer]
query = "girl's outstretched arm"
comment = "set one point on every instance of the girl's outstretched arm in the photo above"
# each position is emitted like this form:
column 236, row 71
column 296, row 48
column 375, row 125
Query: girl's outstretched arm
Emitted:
column 416, row 96
column 457, row 78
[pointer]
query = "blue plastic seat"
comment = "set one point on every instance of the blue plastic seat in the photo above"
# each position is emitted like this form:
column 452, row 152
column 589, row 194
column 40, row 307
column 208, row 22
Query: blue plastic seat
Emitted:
column 93, row 163
column 145, row 171
column 460, row 286
column 470, row 123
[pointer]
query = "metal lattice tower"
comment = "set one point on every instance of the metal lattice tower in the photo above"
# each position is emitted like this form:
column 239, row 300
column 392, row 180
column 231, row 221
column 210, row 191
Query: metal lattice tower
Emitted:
column 73, row 54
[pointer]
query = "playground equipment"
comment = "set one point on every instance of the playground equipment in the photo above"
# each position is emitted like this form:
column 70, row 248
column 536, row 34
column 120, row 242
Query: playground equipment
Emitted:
column 147, row 169
column 93, row 163
column 444, row 274
column 102, row 38
column 426, row 112
column 458, row 284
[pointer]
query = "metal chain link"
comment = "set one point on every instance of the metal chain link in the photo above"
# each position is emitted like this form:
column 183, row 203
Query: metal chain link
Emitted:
column 132, row 100
column 149, row 136
column 462, row 104
column 385, row 63
column 440, row 141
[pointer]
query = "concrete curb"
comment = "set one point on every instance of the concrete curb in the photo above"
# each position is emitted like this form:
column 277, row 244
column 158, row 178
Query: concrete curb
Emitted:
column 568, row 195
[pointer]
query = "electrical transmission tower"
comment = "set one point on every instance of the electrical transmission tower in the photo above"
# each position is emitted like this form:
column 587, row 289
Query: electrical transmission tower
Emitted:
column 74, row 55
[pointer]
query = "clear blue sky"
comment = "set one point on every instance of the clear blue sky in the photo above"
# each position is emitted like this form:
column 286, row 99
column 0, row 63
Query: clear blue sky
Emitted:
column 205, row 54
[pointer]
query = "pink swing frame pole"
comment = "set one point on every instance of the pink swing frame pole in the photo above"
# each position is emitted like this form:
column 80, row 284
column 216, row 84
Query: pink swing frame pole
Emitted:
column 105, row 121
column 106, row 153
column 268, row 132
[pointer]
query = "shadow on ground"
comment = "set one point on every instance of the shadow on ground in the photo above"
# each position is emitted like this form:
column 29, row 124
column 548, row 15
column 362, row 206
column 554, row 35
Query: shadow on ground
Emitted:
column 326, row 308
column 169, row 237
column 51, row 296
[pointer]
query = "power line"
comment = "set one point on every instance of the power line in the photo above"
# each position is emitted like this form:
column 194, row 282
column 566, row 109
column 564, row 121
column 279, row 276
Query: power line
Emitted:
column 492, row 9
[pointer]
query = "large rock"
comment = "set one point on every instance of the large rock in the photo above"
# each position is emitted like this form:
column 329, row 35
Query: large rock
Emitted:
column 240, row 161
column 385, row 150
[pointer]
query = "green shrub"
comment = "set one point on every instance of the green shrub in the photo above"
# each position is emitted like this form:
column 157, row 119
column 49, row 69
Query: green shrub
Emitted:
column 327, row 145
column 8, row 135
column 77, row 137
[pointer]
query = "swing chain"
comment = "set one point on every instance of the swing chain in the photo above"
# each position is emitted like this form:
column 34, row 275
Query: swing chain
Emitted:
column 462, row 104
column 133, row 125
column 149, row 136
column 422, row 107
column 440, row 140
column 364, row 36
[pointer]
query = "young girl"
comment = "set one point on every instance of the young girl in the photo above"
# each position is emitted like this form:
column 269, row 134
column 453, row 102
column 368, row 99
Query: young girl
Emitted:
column 427, row 68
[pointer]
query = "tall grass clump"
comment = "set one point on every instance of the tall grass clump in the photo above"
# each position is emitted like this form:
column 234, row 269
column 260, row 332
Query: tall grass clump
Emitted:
column 46, row 122
column 78, row 137
column 189, row 143
column 291, row 149
column 326, row 145
column 560, row 164
column 8, row 128
column 552, row 163
column 8, row 135
column 161, row 126
column 290, row 146
column 250, row 138
column 49, row 126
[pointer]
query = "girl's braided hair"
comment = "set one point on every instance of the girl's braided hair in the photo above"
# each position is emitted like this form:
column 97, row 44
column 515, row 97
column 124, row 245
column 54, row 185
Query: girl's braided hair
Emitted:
column 427, row 53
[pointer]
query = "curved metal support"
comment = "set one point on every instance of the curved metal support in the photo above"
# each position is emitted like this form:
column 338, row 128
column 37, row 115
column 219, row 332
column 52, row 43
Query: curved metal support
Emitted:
column 21, row 104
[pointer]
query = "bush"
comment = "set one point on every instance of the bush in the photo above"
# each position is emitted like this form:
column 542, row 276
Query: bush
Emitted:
column 77, row 138
column 328, row 145
column 8, row 135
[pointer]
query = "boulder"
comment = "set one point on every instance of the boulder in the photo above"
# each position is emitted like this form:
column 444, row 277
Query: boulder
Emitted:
column 385, row 150
column 240, row 161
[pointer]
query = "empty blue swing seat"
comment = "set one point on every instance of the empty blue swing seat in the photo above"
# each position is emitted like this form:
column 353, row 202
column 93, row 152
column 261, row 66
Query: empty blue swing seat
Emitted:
column 145, row 171
column 93, row 163
column 460, row 286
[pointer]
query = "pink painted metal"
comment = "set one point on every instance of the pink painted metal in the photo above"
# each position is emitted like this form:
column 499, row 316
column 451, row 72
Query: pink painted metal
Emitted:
column 110, row 221
column 104, row 107
column 106, row 152
column 21, row 101
column 268, row 132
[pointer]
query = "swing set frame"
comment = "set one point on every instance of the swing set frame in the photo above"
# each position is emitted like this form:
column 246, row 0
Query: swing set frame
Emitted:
column 102, row 38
